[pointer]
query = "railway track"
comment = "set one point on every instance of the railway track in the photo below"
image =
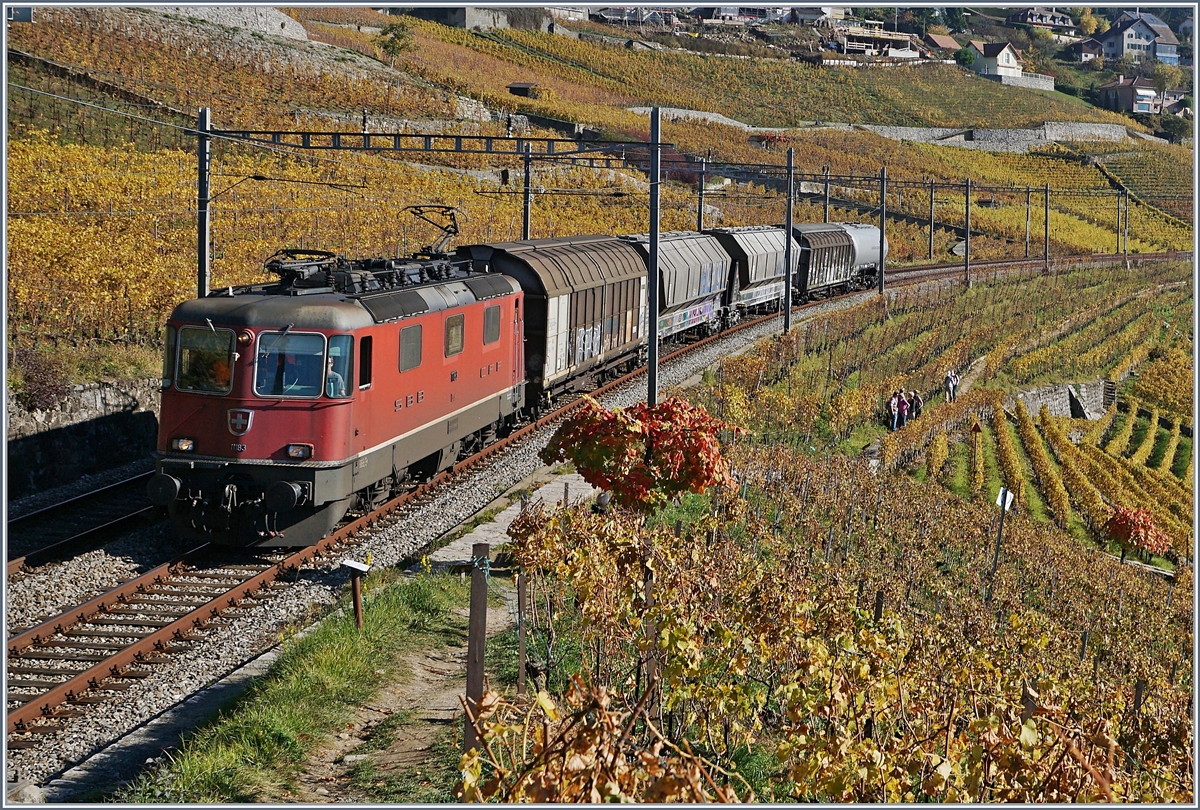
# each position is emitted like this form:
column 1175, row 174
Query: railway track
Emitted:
column 78, row 524
column 96, row 651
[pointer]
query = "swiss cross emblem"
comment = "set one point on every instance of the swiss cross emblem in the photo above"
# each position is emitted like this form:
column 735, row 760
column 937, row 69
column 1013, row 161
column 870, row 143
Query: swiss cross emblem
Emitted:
column 240, row 420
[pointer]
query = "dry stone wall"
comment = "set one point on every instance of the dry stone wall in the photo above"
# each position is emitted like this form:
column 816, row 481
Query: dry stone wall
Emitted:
column 96, row 427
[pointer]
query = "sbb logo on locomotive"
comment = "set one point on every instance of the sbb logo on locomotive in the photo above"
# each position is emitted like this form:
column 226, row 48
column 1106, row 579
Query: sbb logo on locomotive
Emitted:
column 410, row 400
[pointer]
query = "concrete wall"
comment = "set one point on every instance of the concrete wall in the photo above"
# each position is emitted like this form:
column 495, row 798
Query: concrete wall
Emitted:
column 1033, row 81
column 96, row 427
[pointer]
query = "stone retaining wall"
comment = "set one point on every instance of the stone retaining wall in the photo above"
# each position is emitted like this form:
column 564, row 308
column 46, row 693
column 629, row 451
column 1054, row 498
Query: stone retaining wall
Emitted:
column 97, row 427
column 1032, row 81
column 1078, row 400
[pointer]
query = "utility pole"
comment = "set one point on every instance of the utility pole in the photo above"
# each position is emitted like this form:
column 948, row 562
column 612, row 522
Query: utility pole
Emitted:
column 1028, row 200
column 203, row 218
column 932, row 192
column 882, row 225
column 967, row 263
column 528, row 209
column 652, row 274
column 826, row 195
column 1046, row 231
column 787, row 249
column 1126, row 240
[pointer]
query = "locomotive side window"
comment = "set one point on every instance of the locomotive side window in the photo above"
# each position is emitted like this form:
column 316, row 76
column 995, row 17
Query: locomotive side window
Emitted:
column 410, row 347
column 205, row 360
column 339, row 367
column 168, row 373
column 364, row 362
column 454, row 334
column 289, row 365
column 491, row 324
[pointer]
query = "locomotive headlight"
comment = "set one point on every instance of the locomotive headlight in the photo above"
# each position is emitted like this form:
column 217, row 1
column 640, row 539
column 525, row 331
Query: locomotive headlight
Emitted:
column 300, row 451
column 183, row 445
column 245, row 338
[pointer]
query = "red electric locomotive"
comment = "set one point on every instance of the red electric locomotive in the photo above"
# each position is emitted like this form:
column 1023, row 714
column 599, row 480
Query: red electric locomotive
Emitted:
column 284, row 405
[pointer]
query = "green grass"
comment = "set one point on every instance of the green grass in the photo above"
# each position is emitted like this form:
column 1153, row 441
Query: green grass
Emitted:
column 1160, row 448
column 1183, row 454
column 991, row 464
column 1033, row 504
column 958, row 470
column 1139, row 433
column 253, row 749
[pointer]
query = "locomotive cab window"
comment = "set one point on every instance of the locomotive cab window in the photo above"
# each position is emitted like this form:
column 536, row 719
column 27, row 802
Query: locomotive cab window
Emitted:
column 205, row 360
column 289, row 365
column 454, row 334
column 410, row 347
column 339, row 367
column 491, row 325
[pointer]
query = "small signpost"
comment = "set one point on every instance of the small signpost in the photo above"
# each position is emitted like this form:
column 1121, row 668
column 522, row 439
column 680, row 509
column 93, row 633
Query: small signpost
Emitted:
column 357, row 570
column 1005, row 501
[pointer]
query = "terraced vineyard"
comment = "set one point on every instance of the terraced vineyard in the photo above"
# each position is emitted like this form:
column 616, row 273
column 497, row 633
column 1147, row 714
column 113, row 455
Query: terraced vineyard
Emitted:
column 831, row 380
column 132, row 195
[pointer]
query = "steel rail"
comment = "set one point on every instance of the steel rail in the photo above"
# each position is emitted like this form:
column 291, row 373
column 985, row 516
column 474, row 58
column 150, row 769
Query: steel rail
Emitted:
column 59, row 549
column 78, row 499
column 44, row 706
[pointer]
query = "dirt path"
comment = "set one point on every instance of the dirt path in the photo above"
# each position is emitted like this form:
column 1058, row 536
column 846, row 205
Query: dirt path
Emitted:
column 428, row 690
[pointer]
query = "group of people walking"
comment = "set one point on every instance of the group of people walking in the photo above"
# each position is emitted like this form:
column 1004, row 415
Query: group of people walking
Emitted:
column 951, row 385
column 903, row 406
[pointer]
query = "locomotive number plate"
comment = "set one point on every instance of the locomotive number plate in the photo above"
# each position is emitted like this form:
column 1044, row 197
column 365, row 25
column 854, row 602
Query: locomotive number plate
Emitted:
column 238, row 448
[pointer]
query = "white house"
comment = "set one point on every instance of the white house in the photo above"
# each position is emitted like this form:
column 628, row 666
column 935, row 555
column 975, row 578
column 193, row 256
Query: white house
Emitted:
column 996, row 58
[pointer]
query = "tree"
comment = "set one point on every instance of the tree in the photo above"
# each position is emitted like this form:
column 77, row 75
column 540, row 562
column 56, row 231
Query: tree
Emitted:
column 643, row 455
column 394, row 39
column 956, row 20
column 1134, row 529
column 925, row 17
column 1165, row 77
column 1176, row 126
column 965, row 57
column 1087, row 22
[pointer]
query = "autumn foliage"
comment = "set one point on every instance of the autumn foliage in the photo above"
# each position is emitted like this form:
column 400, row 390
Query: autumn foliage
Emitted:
column 1134, row 528
column 644, row 455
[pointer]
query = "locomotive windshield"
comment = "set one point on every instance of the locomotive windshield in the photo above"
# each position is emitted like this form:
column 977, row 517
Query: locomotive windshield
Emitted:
column 289, row 365
column 205, row 360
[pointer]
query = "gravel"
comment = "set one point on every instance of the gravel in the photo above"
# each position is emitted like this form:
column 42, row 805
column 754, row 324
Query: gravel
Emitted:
column 243, row 637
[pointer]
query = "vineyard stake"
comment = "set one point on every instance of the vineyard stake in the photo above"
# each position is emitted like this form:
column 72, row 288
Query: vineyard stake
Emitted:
column 1004, row 501
column 476, row 638
column 1083, row 644
column 1139, row 690
column 520, row 632
column 878, row 605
